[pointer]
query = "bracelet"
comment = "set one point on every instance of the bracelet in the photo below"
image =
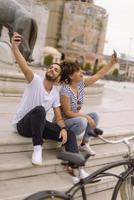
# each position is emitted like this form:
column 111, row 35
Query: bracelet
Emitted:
column 64, row 127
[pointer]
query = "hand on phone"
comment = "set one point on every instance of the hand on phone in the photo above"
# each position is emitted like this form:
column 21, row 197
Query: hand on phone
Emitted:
column 114, row 54
column 16, row 38
column 114, row 58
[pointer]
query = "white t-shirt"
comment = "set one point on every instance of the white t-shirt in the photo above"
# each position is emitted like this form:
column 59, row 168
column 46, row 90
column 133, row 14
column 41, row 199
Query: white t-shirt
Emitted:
column 35, row 95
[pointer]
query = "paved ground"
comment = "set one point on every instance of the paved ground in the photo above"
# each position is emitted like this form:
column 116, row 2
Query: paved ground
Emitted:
column 116, row 110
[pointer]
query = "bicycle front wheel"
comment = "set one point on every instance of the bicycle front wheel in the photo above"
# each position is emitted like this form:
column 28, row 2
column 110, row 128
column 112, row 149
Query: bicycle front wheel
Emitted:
column 124, row 189
column 48, row 195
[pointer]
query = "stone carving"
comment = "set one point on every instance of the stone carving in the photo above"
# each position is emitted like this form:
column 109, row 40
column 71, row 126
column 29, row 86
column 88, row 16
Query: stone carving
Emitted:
column 15, row 18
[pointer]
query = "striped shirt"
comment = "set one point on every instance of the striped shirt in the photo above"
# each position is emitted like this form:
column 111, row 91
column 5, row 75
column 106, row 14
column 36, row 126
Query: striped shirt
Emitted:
column 75, row 100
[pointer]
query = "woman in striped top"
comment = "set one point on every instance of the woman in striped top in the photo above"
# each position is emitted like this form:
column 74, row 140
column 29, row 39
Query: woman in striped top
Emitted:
column 72, row 96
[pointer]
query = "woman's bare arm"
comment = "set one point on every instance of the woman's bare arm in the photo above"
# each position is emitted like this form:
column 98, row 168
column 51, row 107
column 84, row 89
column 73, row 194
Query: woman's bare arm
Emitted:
column 100, row 74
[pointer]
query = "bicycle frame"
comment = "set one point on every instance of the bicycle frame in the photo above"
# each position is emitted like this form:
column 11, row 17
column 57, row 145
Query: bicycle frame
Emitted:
column 98, row 174
column 123, row 177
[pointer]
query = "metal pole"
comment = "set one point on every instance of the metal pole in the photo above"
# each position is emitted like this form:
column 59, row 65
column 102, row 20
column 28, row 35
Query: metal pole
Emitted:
column 127, row 62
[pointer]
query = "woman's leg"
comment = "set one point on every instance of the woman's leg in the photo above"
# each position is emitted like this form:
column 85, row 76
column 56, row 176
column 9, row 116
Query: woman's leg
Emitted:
column 90, row 131
column 85, row 146
column 77, row 124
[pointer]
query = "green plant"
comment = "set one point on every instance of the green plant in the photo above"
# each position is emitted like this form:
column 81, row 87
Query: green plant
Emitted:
column 48, row 60
column 100, row 67
column 95, row 69
column 87, row 66
column 115, row 72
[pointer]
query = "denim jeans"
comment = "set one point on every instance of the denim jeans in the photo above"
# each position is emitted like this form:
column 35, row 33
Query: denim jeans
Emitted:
column 78, row 125
column 90, row 131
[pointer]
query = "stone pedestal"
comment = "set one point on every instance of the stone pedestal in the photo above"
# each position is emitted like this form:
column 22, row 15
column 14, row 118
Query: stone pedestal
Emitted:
column 12, row 81
column 6, row 55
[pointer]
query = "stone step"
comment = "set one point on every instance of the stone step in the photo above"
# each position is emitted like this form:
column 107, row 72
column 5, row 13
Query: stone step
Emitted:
column 12, row 142
column 19, row 178
column 18, row 164
column 18, row 189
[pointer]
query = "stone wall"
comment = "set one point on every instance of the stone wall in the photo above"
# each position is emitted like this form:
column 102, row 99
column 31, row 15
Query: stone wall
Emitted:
column 83, row 29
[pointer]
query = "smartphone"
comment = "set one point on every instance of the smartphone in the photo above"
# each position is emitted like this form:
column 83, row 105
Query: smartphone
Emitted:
column 114, row 53
column 17, row 40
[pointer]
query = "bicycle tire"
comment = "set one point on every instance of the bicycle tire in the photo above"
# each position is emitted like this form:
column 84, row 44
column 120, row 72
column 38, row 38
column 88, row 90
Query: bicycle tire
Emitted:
column 48, row 195
column 124, row 189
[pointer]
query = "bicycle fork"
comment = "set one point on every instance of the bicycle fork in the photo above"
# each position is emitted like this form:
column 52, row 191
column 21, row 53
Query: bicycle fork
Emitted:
column 83, row 192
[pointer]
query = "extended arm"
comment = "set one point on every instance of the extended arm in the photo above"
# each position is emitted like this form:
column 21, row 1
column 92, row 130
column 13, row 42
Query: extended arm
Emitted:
column 16, row 40
column 100, row 74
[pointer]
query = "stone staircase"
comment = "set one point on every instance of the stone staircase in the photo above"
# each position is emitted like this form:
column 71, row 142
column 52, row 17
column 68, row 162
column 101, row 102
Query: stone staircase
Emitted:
column 19, row 178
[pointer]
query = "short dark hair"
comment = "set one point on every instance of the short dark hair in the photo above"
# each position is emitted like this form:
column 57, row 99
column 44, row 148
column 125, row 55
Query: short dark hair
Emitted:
column 67, row 69
column 56, row 64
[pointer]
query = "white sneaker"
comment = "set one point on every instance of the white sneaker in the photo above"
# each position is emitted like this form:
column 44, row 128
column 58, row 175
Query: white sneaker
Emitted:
column 83, row 173
column 86, row 147
column 75, row 179
column 37, row 155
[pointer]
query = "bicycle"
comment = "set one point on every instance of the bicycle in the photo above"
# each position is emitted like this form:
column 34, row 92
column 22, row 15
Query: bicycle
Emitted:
column 123, row 190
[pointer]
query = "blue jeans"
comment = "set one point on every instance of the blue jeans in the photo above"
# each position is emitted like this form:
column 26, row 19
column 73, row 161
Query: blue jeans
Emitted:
column 78, row 125
column 90, row 131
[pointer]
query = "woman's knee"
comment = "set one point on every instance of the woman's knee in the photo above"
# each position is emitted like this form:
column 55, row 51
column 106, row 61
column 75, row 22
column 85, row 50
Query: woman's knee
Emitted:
column 94, row 116
column 82, row 124
column 77, row 124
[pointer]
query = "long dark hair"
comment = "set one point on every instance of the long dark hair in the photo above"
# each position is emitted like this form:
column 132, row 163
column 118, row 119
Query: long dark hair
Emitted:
column 67, row 69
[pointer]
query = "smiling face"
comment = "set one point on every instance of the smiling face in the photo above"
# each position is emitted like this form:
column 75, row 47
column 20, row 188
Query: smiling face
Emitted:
column 76, row 76
column 53, row 72
column 71, row 72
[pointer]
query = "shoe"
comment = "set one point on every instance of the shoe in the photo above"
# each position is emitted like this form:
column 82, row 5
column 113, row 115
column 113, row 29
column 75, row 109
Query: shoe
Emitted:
column 83, row 174
column 37, row 155
column 75, row 179
column 98, row 131
column 86, row 147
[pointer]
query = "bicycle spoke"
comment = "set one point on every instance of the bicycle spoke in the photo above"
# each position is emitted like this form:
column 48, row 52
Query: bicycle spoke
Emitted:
column 126, row 190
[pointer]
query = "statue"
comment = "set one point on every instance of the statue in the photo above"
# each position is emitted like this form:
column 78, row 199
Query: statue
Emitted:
column 16, row 19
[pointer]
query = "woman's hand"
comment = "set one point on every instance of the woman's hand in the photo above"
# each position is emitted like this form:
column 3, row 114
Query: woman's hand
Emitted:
column 114, row 58
column 91, row 122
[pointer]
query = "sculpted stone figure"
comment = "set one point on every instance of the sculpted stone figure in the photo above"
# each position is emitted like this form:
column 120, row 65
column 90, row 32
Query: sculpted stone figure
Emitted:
column 16, row 19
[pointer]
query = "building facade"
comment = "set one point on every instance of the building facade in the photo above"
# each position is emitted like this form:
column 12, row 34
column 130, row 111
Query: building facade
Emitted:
column 77, row 28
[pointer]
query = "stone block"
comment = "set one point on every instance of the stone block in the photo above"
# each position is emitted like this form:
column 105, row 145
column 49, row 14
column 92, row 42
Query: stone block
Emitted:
column 6, row 55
